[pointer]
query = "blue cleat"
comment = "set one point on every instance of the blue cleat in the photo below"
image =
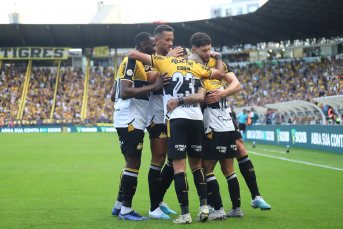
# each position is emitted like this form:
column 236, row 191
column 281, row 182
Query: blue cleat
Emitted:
column 115, row 211
column 158, row 214
column 132, row 216
column 164, row 207
column 258, row 202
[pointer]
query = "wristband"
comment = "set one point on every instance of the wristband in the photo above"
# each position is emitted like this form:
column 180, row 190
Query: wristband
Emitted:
column 181, row 100
column 218, row 57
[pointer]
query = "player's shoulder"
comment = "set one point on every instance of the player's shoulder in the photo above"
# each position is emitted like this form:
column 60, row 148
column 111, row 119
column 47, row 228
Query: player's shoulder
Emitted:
column 158, row 57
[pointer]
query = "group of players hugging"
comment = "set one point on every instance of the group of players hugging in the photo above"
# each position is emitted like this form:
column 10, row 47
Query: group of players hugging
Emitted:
column 181, row 101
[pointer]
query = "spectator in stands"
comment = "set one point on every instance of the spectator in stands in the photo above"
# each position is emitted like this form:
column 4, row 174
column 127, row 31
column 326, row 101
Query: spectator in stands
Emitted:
column 336, row 119
column 275, row 117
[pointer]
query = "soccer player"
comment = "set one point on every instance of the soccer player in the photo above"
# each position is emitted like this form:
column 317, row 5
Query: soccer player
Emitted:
column 159, row 179
column 201, row 45
column 130, row 118
column 184, row 124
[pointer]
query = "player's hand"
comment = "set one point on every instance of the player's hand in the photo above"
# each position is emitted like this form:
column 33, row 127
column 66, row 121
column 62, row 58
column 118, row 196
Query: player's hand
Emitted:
column 171, row 105
column 160, row 81
column 176, row 52
column 215, row 96
column 215, row 53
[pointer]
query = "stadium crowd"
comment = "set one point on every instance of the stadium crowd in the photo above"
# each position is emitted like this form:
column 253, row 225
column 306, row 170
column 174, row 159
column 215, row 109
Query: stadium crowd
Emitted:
column 265, row 84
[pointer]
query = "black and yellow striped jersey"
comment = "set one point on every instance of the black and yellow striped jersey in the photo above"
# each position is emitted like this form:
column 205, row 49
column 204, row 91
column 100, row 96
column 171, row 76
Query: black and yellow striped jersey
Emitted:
column 134, row 110
column 186, row 80
column 217, row 115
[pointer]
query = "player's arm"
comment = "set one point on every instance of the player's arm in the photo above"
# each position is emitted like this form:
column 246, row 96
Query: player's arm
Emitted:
column 152, row 76
column 127, row 91
column 218, row 73
column 137, row 55
column 113, row 92
column 234, row 87
column 190, row 99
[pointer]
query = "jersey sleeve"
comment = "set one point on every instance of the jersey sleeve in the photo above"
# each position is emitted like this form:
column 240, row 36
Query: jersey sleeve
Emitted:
column 160, row 63
column 128, row 71
column 227, row 68
column 202, row 71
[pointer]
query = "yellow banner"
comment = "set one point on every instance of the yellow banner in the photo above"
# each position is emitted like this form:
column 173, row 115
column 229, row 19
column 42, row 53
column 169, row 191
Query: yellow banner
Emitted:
column 101, row 51
column 34, row 53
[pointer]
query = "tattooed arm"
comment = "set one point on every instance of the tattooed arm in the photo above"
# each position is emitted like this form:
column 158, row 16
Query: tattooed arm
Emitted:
column 190, row 99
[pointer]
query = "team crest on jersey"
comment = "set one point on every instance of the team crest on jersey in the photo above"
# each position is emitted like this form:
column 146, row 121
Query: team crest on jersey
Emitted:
column 146, row 67
column 129, row 72
column 163, row 135
column 140, row 146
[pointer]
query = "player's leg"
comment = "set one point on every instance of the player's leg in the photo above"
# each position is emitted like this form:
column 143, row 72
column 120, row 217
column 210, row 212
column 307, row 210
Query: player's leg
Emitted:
column 177, row 141
column 195, row 154
column 248, row 172
column 118, row 204
column 233, row 185
column 131, row 147
column 229, row 172
column 159, row 181
column 158, row 152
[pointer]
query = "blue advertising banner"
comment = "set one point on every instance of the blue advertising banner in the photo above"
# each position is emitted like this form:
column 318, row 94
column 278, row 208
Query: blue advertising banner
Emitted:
column 327, row 138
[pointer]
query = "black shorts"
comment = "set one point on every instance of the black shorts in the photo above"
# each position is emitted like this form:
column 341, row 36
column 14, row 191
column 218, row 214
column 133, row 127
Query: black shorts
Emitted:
column 222, row 145
column 157, row 131
column 237, row 132
column 131, row 142
column 242, row 126
column 185, row 138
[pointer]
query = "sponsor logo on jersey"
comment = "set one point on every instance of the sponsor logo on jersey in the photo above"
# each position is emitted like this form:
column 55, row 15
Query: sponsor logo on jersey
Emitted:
column 162, row 135
column 197, row 148
column 180, row 147
column 221, row 149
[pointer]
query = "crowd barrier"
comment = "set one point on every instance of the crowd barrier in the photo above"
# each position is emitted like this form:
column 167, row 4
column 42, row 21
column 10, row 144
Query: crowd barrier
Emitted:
column 58, row 129
column 327, row 138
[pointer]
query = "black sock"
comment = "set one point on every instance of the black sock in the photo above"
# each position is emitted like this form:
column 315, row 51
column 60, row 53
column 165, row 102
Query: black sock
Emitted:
column 129, row 186
column 234, row 189
column 181, row 189
column 247, row 170
column 154, row 185
column 213, row 191
column 200, row 184
column 120, row 192
column 167, row 175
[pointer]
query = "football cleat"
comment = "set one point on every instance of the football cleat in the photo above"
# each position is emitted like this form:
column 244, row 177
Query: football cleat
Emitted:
column 132, row 216
column 203, row 214
column 158, row 214
column 258, row 202
column 115, row 211
column 164, row 207
column 210, row 209
column 183, row 219
column 217, row 215
column 235, row 213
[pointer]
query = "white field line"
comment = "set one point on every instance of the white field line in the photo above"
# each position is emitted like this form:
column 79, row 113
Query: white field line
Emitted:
column 302, row 162
column 271, row 150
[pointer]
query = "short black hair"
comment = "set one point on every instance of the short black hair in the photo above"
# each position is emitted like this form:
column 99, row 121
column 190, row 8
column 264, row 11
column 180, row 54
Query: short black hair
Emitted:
column 200, row 39
column 141, row 38
column 161, row 28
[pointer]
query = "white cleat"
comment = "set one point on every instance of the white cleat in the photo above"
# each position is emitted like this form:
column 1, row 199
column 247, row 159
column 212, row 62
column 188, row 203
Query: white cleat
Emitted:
column 203, row 214
column 183, row 219
column 235, row 213
column 217, row 215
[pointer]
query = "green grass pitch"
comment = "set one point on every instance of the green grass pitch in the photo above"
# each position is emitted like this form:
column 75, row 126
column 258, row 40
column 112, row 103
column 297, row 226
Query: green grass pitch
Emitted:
column 71, row 181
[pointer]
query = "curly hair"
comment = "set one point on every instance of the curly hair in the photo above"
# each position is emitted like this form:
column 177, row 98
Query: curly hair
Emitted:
column 200, row 39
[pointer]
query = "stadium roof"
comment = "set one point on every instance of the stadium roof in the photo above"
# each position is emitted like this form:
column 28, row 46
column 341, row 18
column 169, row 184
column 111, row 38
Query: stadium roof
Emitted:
column 275, row 21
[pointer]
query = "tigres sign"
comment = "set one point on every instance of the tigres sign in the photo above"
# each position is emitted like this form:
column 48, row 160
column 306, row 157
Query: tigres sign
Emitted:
column 35, row 53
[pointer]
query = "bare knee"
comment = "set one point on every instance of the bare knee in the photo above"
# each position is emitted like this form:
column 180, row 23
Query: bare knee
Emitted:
column 209, row 165
column 241, row 151
column 133, row 161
